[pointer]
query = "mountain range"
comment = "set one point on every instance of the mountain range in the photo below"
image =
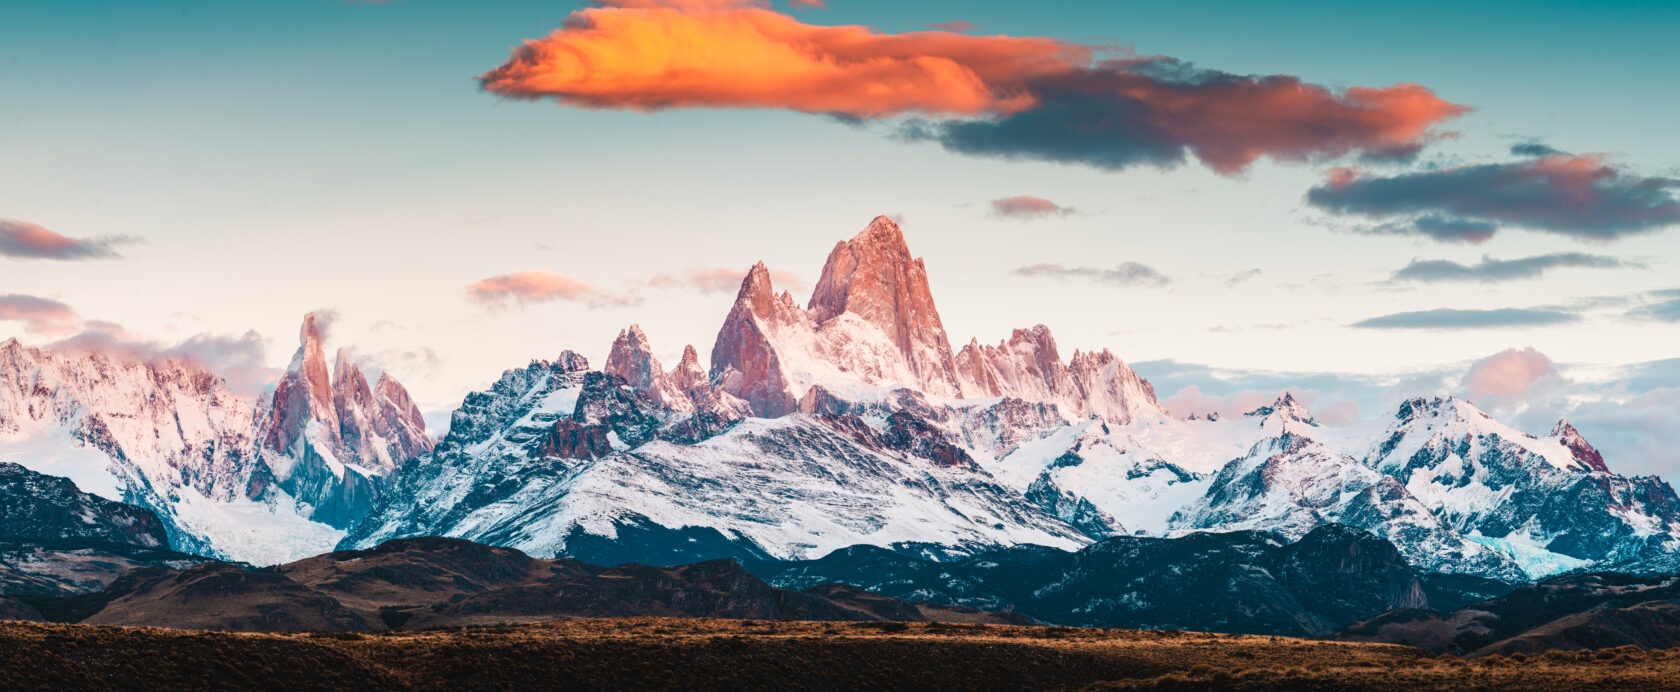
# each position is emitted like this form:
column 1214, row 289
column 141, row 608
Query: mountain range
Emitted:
column 848, row 421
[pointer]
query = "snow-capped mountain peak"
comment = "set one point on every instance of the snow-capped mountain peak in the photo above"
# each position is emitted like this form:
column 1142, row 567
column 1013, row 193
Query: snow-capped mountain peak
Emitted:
column 1578, row 447
column 1284, row 408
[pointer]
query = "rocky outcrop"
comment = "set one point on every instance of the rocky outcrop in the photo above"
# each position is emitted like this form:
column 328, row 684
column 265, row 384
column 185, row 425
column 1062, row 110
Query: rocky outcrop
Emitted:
column 38, row 507
column 331, row 441
column 631, row 358
column 1027, row 366
column 873, row 280
column 686, row 390
column 381, row 427
column 1578, row 447
column 1345, row 574
column 1577, row 611
column 745, row 359
column 303, row 396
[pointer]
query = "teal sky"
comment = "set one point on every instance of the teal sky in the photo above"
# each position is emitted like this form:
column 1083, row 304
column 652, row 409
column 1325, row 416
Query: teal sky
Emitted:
column 281, row 157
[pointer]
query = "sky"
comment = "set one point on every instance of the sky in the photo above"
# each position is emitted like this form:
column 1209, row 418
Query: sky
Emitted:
column 1357, row 203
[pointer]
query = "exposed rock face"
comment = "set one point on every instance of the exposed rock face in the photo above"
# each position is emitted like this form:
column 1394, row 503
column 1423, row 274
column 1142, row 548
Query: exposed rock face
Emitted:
column 331, row 441
column 57, row 541
column 303, row 396
column 871, row 322
column 1482, row 476
column 1345, row 574
column 745, row 361
column 873, row 278
column 38, row 507
column 381, row 427
column 1027, row 366
column 686, row 390
column 632, row 359
column 1566, row 435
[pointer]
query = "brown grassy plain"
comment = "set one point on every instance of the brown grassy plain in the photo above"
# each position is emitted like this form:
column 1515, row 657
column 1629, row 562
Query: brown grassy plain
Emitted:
column 699, row 654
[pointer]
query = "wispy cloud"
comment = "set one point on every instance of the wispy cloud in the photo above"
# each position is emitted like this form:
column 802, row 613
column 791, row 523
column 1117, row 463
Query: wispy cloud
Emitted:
column 720, row 279
column 24, row 240
column 541, row 287
column 1449, row 318
column 1242, row 277
column 1027, row 207
column 961, row 26
column 1491, row 270
column 1658, row 306
column 1123, row 274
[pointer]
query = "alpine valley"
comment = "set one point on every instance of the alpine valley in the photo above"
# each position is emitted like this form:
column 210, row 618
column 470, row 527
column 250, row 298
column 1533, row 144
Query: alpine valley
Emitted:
column 848, row 423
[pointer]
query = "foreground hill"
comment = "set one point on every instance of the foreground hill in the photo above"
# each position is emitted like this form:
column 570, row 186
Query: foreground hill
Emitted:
column 1577, row 611
column 441, row 582
column 57, row 542
column 1244, row 582
column 657, row 653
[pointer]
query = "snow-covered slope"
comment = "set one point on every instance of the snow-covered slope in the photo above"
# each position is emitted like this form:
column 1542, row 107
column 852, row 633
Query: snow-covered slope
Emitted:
column 555, row 459
column 167, row 434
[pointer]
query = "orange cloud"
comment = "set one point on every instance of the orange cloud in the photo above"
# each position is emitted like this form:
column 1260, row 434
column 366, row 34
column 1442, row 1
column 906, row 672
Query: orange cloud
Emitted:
column 541, row 287
column 1010, row 97
column 648, row 56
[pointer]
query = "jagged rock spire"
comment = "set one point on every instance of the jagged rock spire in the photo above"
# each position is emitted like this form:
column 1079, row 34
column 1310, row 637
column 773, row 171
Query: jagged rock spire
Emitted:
column 873, row 277
column 1028, row 366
